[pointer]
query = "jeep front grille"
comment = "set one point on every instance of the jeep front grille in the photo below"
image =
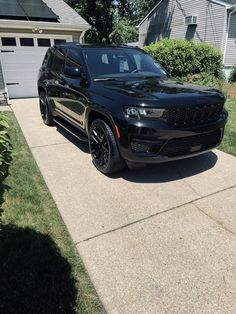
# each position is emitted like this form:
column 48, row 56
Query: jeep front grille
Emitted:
column 190, row 115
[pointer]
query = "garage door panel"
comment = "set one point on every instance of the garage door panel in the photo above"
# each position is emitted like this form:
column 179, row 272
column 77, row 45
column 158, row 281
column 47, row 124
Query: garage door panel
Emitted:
column 18, row 92
column 21, row 65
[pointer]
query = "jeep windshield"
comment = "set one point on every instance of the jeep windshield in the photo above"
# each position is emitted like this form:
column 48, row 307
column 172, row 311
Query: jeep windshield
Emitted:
column 106, row 64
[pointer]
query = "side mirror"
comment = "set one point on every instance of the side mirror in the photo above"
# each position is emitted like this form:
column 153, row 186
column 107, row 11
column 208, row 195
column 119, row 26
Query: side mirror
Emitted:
column 72, row 72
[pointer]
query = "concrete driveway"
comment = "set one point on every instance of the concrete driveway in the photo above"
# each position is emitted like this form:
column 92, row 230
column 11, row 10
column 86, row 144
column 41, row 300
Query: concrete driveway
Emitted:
column 156, row 240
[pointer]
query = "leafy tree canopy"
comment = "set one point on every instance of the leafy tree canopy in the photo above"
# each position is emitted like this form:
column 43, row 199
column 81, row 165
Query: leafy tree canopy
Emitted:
column 112, row 21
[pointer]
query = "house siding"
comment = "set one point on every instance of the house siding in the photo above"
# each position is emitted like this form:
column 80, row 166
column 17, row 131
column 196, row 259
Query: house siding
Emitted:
column 168, row 20
column 230, row 56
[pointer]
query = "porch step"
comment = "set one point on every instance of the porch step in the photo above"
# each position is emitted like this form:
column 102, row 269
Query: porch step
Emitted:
column 3, row 98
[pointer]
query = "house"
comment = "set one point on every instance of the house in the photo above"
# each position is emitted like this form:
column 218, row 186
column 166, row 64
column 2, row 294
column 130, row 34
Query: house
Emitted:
column 27, row 29
column 211, row 21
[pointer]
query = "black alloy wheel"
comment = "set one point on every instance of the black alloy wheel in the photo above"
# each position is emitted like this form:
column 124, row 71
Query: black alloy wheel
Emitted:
column 103, row 148
column 44, row 109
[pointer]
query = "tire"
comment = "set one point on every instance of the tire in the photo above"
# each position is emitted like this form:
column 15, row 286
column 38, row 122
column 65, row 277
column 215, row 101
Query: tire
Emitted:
column 103, row 148
column 45, row 111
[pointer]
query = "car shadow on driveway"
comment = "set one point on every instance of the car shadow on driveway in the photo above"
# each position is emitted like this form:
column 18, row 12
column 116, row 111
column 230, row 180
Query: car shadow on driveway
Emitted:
column 155, row 173
column 170, row 171
column 83, row 146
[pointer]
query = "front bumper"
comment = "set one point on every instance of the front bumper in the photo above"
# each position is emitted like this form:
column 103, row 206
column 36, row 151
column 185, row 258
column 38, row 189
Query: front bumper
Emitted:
column 155, row 142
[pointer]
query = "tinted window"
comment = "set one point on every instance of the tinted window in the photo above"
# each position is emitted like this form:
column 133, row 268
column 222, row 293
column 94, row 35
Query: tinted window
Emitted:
column 44, row 42
column 121, row 62
column 73, row 59
column 47, row 59
column 59, row 41
column 58, row 61
column 27, row 42
column 8, row 41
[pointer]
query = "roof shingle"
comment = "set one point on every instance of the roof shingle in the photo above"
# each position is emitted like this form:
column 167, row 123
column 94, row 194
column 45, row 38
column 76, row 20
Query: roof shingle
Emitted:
column 66, row 14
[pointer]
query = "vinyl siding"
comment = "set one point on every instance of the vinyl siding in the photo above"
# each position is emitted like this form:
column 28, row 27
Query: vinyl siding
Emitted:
column 230, row 57
column 168, row 20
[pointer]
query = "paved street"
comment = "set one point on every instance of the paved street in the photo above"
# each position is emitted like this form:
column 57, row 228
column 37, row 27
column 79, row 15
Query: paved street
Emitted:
column 156, row 240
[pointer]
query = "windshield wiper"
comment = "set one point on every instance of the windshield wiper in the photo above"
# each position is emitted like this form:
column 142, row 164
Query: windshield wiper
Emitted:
column 151, row 77
column 106, row 79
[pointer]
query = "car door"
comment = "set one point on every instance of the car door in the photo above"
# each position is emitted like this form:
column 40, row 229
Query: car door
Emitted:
column 74, row 96
column 54, row 80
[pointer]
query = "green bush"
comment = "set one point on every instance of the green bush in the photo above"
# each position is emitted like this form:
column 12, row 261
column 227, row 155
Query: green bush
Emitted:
column 5, row 147
column 203, row 78
column 183, row 57
column 232, row 76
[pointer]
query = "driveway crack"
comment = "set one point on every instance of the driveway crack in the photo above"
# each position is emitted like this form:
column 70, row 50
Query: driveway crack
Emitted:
column 47, row 145
column 161, row 213
column 217, row 222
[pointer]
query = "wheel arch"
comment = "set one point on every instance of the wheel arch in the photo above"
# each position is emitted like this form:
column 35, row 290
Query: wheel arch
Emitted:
column 41, row 89
column 94, row 115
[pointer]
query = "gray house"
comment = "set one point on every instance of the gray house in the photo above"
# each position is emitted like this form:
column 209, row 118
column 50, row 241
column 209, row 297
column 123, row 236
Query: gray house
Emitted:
column 212, row 21
column 27, row 29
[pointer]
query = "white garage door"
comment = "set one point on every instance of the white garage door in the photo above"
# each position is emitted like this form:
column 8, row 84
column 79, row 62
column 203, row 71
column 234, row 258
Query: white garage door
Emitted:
column 21, row 58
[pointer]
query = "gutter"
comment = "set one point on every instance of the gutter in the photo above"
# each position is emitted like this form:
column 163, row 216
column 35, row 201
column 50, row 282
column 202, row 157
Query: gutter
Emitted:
column 43, row 25
column 149, row 13
column 227, row 31
column 228, row 6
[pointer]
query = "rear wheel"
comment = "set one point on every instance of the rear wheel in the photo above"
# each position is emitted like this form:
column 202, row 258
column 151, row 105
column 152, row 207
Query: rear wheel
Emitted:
column 103, row 148
column 45, row 109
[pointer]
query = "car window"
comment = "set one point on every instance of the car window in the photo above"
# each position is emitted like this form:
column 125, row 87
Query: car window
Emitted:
column 107, row 63
column 72, row 59
column 121, row 62
column 47, row 59
column 58, row 61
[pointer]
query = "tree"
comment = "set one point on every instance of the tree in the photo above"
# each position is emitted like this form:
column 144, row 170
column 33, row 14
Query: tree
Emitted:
column 143, row 7
column 124, row 32
column 100, row 15
column 112, row 21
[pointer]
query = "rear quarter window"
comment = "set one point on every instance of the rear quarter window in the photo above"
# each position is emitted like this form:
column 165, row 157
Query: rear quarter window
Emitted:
column 58, row 60
column 47, row 59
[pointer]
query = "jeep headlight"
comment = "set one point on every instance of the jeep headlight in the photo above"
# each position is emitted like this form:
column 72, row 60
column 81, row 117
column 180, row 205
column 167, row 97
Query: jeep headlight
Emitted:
column 146, row 113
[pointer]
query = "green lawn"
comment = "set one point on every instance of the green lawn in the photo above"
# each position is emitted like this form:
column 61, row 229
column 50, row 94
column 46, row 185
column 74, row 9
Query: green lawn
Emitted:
column 40, row 271
column 229, row 143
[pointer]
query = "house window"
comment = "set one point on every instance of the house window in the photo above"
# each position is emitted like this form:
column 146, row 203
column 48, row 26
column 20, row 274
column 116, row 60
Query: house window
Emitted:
column 8, row 41
column 27, row 42
column 44, row 42
column 59, row 41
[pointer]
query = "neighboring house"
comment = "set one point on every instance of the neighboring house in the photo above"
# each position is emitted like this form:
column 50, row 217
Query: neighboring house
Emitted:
column 212, row 21
column 27, row 29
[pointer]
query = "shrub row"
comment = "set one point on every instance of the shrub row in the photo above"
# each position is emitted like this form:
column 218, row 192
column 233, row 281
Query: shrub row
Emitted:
column 183, row 57
column 5, row 148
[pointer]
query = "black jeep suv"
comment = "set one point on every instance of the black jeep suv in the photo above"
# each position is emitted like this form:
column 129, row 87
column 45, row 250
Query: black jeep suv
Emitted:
column 126, row 106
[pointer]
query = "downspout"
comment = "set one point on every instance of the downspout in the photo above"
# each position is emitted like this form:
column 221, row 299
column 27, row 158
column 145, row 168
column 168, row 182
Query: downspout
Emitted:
column 81, row 37
column 227, row 31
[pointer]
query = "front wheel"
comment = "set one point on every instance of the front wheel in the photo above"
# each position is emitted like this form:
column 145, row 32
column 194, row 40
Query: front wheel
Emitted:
column 103, row 148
